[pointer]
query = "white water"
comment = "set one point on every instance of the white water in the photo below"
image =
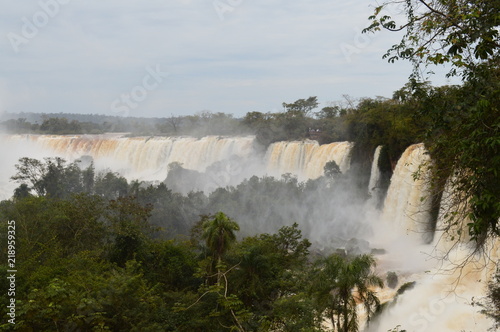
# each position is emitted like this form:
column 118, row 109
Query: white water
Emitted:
column 441, row 300
column 375, row 177
column 144, row 158
column 306, row 159
column 401, row 228
column 407, row 205
column 375, row 172
column 148, row 159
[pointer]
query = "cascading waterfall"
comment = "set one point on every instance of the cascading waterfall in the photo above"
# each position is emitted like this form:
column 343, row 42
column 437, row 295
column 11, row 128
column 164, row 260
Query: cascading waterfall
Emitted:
column 306, row 159
column 408, row 205
column 146, row 158
column 440, row 301
column 444, row 291
column 374, row 185
column 375, row 173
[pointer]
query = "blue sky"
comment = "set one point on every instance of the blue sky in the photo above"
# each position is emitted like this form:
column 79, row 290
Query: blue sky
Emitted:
column 179, row 57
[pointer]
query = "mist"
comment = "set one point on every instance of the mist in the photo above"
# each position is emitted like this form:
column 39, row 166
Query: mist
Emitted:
column 265, row 189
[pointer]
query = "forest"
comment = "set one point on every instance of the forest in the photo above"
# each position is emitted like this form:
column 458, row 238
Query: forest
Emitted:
column 95, row 252
column 98, row 253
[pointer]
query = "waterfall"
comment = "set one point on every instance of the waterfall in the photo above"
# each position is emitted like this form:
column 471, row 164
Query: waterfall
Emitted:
column 375, row 173
column 441, row 298
column 408, row 205
column 146, row 158
column 306, row 159
column 374, row 185
column 448, row 279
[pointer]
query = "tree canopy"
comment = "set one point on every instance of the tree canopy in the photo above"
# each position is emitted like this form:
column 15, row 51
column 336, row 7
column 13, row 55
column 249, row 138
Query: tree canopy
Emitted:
column 463, row 135
column 463, row 33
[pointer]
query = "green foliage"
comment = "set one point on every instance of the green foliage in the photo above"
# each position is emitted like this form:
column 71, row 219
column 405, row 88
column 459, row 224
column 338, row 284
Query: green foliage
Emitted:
column 110, row 185
column 52, row 125
column 460, row 32
column 129, row 230
column 294, row 313
column 301, row 107
column 332, row 170
column 464, row 122
column 218, row 231
column 90, row 299
column 52, row 177
column 491, row 305
column 464, row 141
column 91, row 262
column 333, row 280
column 390, row 123
column 292, row 124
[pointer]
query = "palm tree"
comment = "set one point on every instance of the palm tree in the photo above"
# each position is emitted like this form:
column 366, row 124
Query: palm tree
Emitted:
column 339, row 283
column 218, row 233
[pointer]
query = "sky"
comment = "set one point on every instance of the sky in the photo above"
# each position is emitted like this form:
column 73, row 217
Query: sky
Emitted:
column 179, row 57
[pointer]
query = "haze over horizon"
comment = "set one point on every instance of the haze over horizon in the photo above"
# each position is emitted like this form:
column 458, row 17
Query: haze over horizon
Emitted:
column 159, row 59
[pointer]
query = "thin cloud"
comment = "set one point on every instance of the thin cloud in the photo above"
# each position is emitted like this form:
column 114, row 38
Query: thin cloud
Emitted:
column 260, row 54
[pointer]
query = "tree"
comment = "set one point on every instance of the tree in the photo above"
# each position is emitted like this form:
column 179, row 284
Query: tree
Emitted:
column 301, row 107
column 22, row 191
column 463, row 137
column 332, row 170
column 111, row 185
column 129, row 229
column 339, row 283
column 30, row 172
column 328, row 112
column 463, row 33
column 174, row 122
column 52, row 177
column 218, row 232
column 464, row 142
column 491, row 306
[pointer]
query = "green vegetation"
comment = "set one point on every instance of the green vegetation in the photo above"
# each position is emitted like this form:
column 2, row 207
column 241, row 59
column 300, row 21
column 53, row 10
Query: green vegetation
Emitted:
column 491, row 306
column 463, row 135
column 333, row 280
column 463, row 131
column 94, row 259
